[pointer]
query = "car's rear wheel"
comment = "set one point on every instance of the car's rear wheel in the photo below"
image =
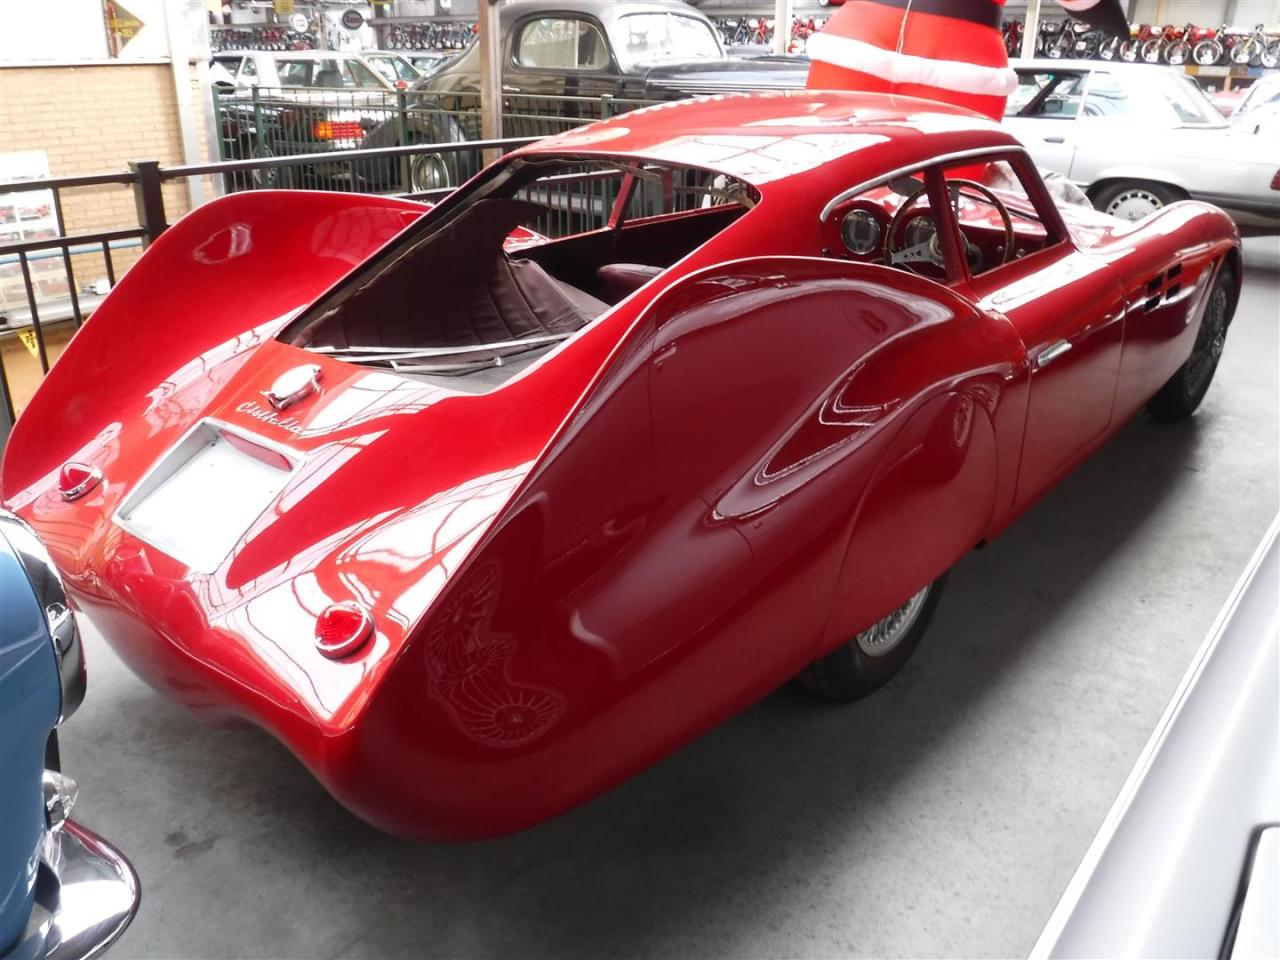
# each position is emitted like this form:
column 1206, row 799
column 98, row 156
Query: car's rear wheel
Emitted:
column 1179, row 398
column 1134, row 199
column 871, row 658
column 430, row 171
column 270, row 178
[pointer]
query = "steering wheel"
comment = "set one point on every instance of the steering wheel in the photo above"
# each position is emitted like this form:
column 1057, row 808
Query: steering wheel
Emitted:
column 929, row 250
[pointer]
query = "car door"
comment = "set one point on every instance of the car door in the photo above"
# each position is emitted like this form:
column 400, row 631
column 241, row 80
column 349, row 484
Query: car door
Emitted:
column 1044, row 114
column 1069, row 310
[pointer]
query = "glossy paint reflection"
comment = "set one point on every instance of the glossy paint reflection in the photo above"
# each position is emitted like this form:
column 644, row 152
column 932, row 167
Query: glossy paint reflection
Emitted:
column 728, row 473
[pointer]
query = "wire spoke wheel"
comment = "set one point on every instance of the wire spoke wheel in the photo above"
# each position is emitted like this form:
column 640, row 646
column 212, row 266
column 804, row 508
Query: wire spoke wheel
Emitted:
column 1209, row 341
column 881, row 637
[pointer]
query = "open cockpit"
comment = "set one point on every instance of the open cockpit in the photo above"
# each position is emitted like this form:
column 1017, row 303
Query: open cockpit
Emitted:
column 489, row 282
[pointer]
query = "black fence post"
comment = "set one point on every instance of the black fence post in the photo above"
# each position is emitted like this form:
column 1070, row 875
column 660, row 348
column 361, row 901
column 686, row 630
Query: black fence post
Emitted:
column 148, row 198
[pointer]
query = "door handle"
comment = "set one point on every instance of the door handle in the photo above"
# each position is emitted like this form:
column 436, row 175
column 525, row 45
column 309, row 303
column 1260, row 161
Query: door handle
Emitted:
column 1052, row 353
column 1055, row 139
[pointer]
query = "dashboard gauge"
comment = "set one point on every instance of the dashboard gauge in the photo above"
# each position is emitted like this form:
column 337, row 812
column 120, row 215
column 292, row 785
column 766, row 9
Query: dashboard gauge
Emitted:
column 860, row 232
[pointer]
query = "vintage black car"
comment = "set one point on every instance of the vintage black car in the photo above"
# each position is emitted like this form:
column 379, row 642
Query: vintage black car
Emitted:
column 651, row 50
column 566, row 62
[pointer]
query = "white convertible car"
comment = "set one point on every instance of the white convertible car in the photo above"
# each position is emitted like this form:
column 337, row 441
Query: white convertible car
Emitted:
column 1138, row 136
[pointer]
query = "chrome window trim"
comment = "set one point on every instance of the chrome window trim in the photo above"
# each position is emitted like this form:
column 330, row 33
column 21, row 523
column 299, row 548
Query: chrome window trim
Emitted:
column 945, row 159
column 51, row 595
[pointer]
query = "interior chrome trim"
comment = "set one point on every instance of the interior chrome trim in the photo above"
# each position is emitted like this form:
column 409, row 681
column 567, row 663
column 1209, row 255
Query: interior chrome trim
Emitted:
column 946, row 158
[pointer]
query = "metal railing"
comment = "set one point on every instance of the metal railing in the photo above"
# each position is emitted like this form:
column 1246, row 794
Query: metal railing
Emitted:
column 263, row 123
column 26, row 330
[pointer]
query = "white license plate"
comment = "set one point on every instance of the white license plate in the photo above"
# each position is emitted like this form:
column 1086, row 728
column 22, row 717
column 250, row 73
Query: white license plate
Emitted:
column 204, row 494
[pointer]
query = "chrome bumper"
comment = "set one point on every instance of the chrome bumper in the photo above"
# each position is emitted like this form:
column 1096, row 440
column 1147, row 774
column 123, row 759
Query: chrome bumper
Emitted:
column 86, row 894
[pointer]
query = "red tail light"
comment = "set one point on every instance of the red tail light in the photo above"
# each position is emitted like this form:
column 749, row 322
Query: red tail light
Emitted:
column 1275, row 181
column 337, row 130
column 343, row 629
column 77, row 479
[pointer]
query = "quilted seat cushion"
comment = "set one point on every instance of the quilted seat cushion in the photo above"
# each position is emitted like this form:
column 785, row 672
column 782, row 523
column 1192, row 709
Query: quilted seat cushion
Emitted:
column 458, row 287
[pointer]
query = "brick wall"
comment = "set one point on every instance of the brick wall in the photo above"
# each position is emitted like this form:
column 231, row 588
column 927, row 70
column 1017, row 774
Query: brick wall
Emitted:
column 91, row 118
column 95, row 119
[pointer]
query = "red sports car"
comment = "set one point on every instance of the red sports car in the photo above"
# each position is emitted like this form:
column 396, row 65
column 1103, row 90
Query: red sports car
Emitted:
column 484, row 508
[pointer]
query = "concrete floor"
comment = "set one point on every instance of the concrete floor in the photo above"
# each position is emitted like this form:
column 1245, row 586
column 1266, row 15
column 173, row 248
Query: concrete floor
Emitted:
column 942, row 817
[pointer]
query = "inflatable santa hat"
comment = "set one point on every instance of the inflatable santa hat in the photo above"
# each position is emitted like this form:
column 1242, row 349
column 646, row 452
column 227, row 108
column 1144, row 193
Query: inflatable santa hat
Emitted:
column 948, row 50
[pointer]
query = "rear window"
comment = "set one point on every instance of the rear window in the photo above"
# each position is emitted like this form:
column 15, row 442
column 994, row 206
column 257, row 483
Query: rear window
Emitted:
column 327, row 74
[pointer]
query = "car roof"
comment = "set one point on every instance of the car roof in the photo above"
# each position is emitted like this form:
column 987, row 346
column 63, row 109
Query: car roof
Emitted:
column 603, row 9
column 313, row 54
column 766, row 138
column 1081, row 66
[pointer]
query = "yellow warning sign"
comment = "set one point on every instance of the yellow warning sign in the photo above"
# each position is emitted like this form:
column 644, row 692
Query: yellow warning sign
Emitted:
column 284, row 7
column 28, row 338
column 122, row 23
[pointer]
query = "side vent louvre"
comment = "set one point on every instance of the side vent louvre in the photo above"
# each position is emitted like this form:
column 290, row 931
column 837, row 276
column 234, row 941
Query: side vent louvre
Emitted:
column 1174, row 272
column 1172, row 292
column 1153, row 288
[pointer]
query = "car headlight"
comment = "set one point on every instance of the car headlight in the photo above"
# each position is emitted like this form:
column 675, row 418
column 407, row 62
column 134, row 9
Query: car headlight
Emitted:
column 52, row 598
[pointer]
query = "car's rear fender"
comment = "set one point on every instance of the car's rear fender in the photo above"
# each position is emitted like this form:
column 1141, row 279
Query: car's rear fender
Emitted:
column 214, row 286
column 672, row 556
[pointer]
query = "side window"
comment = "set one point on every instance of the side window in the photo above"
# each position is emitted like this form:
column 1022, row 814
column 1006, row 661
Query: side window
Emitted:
column 295, row 73
column 997, row 219
column 1046, row 96
column 248, row 69
column 561, row 43
column 656, row 192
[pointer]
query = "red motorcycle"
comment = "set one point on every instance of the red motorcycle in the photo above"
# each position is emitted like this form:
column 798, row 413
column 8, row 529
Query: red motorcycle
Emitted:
column 1153, row 50
column 1192, row 41
column 1132, row 48
column 1207, row 49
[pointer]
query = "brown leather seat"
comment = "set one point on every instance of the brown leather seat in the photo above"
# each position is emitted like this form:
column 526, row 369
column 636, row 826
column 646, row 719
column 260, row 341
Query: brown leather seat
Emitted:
column 458, row 288
column 620, row 280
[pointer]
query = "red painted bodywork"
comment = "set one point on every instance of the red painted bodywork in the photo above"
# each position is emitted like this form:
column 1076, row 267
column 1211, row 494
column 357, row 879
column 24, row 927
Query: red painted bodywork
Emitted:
column 756, row 455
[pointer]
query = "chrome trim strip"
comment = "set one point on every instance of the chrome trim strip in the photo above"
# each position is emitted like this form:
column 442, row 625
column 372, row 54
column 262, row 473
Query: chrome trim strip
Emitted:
column 51, row 595
column 853, row 191
column 1052, row 353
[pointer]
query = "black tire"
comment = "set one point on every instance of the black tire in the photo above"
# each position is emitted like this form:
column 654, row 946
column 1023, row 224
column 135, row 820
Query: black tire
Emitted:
column 853, row 672
column 421, row 172
column 1178, row 399
column 1134, row 199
